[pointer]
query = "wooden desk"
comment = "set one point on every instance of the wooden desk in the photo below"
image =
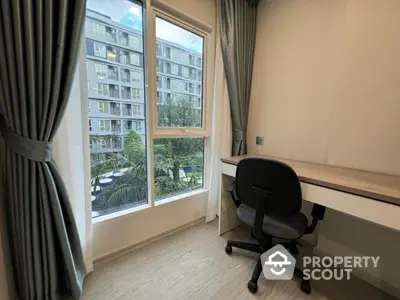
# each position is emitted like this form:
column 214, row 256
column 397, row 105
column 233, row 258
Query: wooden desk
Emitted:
column 370, row 196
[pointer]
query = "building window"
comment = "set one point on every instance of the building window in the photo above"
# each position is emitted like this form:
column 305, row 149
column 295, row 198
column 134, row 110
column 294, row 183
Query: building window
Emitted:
column 101, row 70
column 191, row 60
column 135, row 59
column 114, row 92
column 138, row 125
column 113, row 73
column 168, row 83
column 159, row 98
column 160, row 66
column 185, row 72
column 104, row 125
column 137, row 110
column 174, row 69
column 103, row 107
column 126, row 93
column 98, row 29
column 123, row 58
column 135, row 76
column 90, row 125
column 102, row 89
column 159, row 81
column 185, row 58
column 135, row 94
column 134, row 42
column 167, row 52
column 159, row 50
column 127, row 110
column 198, row 89
column 99, row 50
column 198, row 62
column 125, row 75
column 111, row 53
column 123, row 39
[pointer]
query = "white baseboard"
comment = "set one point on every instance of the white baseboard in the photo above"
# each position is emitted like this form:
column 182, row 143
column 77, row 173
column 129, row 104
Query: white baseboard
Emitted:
column 366, row 275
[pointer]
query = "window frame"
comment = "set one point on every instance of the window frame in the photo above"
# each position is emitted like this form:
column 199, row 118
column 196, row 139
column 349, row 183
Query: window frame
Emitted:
column 205, row 33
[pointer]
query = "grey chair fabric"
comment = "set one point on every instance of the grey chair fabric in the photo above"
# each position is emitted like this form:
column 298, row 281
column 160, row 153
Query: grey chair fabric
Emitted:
column 40, row 42
column 238, row 36
column 289, row 228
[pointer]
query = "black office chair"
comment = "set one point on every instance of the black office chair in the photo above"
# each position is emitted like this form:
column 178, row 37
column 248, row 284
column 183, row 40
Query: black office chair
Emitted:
column 270, row 196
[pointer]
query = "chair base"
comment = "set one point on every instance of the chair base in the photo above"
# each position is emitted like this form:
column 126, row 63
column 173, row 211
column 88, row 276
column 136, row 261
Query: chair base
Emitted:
column 253, row 283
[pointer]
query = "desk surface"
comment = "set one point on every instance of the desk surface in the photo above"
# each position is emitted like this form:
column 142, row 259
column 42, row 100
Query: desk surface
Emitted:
column 382, row 187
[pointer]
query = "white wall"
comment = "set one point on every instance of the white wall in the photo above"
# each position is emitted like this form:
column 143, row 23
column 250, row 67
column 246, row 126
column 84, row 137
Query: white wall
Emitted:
column 326, row 89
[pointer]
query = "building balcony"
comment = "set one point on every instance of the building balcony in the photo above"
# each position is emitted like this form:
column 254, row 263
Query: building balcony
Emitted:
column 116, row 129
column 115, row 111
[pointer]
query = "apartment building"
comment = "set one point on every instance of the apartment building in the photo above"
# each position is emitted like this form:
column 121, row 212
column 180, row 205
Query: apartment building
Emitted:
column 115, row 67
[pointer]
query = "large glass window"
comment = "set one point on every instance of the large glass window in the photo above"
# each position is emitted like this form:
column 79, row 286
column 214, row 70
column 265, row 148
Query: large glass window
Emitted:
column 118, row 149
column 180, row 110
column 118, row 82
column 178, row 166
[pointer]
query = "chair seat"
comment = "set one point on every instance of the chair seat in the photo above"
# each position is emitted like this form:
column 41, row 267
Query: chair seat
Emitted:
column 289, row 228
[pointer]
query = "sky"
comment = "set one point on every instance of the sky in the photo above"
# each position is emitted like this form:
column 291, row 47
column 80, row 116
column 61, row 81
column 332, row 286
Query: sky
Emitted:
column 130, row 14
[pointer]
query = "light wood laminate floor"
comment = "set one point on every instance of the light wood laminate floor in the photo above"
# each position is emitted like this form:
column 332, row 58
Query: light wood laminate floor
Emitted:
column 192, row 264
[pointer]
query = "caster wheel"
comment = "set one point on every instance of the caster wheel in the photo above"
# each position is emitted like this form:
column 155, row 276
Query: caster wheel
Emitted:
column 305, row 286
column 252, row 286
column 228, row 249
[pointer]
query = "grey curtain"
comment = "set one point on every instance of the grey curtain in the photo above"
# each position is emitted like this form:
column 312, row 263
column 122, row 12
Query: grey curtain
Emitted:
column 238, row 34
column 39, row 48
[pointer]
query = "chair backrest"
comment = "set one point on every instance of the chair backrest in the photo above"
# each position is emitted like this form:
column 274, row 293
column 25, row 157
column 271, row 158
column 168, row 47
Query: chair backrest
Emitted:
column 273, row 175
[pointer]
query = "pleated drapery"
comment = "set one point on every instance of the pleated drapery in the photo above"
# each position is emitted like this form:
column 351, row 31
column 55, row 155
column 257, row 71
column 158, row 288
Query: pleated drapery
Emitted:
column 39, row 41
column 238, row 20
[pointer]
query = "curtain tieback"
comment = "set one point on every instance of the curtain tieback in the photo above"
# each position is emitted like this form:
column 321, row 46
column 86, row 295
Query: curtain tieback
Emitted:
column 238, row 135
column 26, row 147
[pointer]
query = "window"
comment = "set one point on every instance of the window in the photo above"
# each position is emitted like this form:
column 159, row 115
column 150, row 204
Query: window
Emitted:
column 160, row 66
column 159, row 81
column 102, row 89
column 123, row 58
column 125, row 75
column 135, row 94
column 135, row 59
column 159, row 49
column 113, row 73
column 167, row 52
column 98, row 29
column 101, row 70
column 104, row 125
column 134, row 42
column 198, row 62
column 135, row 76
column 174, row 69
column 138, row 125
column 118, row 139
column 179, row 111
column 103, row 107
column 137, row 110
column 185, row 72
column 99, row 49
column 179, row 103
column 111, row 53
column 185, row 58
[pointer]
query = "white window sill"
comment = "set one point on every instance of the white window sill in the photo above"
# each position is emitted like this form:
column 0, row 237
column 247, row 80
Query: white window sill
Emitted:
column 132, row 210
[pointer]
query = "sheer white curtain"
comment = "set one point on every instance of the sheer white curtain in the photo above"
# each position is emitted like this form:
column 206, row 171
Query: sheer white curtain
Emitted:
column 221, row 135
column 71, row 152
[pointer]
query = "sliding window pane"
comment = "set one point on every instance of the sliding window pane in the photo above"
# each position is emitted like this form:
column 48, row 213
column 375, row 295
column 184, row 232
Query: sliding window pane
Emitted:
column 179, row 104
column 114, row 47
column 178, row 166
